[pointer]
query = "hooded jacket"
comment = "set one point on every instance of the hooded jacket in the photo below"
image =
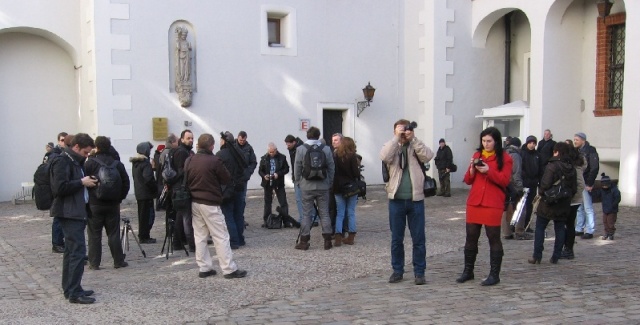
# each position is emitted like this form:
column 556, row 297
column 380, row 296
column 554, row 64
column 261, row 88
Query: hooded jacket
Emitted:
column 557, row 168
column 144, row 182
column 390, row 155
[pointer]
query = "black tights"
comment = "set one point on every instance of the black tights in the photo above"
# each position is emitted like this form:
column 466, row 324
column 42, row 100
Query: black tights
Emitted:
column 473, row 234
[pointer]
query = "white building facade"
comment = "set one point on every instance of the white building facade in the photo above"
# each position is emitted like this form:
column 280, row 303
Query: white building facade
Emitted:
column 107, row 67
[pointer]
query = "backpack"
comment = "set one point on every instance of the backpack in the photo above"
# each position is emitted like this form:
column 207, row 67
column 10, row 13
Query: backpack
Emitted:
column 109, row 182
column 42, row 192
column 169, row 174
column 314, row 165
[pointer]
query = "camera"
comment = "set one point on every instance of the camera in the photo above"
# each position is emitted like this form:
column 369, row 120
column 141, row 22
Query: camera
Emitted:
column 411, row 126
column 478, row 162
column 125, row 219
column 271, row 180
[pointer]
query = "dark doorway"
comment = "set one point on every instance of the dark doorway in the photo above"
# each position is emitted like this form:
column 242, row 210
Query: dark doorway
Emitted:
column 331, row 123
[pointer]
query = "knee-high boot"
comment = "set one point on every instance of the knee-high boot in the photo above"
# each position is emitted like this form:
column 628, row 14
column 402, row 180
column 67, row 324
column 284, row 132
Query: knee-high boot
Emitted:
column 495, row 258
column 469, row 264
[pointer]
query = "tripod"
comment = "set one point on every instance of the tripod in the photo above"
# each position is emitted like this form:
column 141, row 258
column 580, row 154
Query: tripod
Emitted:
column 168, row 239
column 124, row 236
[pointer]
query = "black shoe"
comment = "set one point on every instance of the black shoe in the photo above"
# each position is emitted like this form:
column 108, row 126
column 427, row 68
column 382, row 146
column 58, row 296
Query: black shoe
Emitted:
column 148, row 241
column 567, row 254
column 587, row 236
column 94, row 267
column 508, row 237
column 236, row 274
column 420, row 280
column 553, row 260
column 203, row 275
column 287, row 225
column 579, row 233
column 119, row 265
column 57, row 249
column 87, row 293
column 395, row 277
column 82, row 300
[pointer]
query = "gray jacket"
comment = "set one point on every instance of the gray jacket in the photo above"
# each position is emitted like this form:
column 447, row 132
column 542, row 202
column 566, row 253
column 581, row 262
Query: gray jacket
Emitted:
column 311, row 184
column 516, row 170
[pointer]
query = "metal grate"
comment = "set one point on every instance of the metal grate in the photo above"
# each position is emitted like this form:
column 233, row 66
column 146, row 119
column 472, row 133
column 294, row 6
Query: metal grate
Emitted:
column 616, row 65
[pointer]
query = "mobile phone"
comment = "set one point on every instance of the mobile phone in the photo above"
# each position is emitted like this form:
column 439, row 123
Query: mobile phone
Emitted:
column 478, row 162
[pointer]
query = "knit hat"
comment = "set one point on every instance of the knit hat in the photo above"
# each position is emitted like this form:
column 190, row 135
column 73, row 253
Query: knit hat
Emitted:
column 581, row 135
column 605, row 180
column 50, row 145
column 515, row 141
column 532, row 138
column 441, row 141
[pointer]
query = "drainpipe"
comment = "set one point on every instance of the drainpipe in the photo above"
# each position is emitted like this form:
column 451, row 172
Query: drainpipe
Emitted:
column 507, row 58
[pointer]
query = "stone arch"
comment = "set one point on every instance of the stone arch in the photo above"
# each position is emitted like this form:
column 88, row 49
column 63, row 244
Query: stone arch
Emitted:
column 480, row 31
column 61, row 42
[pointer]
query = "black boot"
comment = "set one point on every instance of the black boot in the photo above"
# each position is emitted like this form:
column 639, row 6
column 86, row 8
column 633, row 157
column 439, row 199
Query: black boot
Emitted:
column 469, row 264
column 495, row 258
column 327, row 241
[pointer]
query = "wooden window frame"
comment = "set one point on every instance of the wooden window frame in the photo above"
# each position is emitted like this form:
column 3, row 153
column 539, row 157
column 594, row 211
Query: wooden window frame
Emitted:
column 603, row 63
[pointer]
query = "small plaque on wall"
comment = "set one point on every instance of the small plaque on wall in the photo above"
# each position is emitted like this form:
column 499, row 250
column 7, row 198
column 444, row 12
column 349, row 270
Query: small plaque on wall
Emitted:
column 160, row 128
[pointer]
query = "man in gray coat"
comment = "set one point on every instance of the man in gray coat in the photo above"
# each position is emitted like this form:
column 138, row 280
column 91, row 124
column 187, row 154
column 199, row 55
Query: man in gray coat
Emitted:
column 314, row 189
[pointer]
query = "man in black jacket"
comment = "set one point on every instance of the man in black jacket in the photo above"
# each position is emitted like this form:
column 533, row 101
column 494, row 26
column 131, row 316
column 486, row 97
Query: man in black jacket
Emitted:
column 233, row 207
column 105, row 213
column 57, row 238
column 444, row 160
column 545, row 147
column 532, row 170
column 273, row 167
column 69, row 185
column 585, row 219
column 251, row 164
column 144, row 184
column 184, row 227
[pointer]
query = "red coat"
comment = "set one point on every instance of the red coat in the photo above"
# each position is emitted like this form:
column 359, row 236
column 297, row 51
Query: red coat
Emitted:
column 488, row 190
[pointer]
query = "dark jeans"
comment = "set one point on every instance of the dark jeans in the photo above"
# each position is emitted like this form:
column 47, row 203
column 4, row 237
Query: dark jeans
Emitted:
column 107, row 217
column 73, row 258
column 184, row 228
column 57, row 237
column 401, row 214
column 281, row 195
column 233, row 216
column 145, row 209
column 570, row 233
column 538, row 244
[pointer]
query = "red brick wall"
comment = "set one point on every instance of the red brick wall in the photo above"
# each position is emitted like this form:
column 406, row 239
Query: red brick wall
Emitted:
column 602, row 65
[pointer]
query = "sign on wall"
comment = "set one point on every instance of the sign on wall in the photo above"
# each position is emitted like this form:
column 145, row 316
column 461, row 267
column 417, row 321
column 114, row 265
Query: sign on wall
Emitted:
column 160, row 128
column 305, row 124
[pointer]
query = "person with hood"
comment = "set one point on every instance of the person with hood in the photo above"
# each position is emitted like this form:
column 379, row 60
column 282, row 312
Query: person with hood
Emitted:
column 559, row 170
column 144, row 184
column 232, row 208
column 292, row 145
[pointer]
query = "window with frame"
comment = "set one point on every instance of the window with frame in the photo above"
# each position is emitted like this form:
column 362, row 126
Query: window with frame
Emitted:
column 610, row 65
column 278, row 32
column 273, row 25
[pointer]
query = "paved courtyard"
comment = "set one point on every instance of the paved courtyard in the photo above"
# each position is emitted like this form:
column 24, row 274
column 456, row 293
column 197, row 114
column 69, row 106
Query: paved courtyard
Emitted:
column 344, row 285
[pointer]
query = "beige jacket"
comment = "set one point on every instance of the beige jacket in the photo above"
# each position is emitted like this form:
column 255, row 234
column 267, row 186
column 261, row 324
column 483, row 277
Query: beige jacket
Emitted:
column 577, row 199
column 390, row 155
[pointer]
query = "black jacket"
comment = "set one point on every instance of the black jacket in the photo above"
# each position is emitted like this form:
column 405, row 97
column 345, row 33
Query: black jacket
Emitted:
column 281, row 168
column 545, row 149
column 554, row 170
column 67, row 188
column 292, row 155
column 92, row 167
column 532, row 168
column 610, row 199
column 593, row 163
column 144, row 182
column 179, row 156
column 232, row 164
column 347, row 170
column 444, row 158
column 249, row 158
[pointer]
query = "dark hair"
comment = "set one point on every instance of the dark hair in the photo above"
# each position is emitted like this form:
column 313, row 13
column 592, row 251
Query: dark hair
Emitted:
column 103, row 144
column 83, row 140
column 497, row 138
column 242, row 134
column 290, row 138
column 313, row 133
column 67, row 140
column 574, row 154
column 564, row 151
column 205, row 141
column 62, row 134
column 184, row 132
column 400, row 121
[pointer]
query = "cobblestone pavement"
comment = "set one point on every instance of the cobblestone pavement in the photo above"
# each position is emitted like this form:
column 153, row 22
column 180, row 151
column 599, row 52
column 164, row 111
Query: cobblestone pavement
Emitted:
column 344, row 285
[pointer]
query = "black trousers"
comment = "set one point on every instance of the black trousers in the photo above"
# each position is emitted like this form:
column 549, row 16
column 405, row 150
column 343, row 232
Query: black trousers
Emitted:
column 73, row 258
column 145, row 208
column 107, row 217
column 281, row 195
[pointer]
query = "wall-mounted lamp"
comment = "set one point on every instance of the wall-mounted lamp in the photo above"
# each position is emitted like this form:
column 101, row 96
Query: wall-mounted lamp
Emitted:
column 604, row 8
column 368, row 92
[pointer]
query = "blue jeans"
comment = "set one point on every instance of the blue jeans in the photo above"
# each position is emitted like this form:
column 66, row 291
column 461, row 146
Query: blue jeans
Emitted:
column 234, row 218
column 298, row 192
column 346, row 206
column 401, row 214
column 73, row 258
column 585, row 219
column 57, row 237
column 538, row 244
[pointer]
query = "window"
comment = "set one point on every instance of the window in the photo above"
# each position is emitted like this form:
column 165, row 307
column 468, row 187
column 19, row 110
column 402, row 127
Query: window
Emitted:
column 273, row 24
column 278, row 29
column 610, row 65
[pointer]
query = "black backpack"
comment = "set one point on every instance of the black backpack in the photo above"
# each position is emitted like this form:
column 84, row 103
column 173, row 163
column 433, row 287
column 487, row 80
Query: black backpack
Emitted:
column 314, row 165
column 169, row 173
column 42, row 192
column 109, row 182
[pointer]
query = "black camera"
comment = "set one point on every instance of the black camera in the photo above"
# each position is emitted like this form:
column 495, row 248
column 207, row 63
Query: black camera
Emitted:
column 411, row 126
column 125, row 219
column 271, row 180
column 478, row 162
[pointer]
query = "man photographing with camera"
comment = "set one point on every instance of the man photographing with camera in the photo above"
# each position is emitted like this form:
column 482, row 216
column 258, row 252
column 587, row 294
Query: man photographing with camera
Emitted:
column 273, row 167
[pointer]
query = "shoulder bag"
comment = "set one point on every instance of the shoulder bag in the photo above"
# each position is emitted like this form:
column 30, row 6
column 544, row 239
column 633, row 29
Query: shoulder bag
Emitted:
column 429, row 188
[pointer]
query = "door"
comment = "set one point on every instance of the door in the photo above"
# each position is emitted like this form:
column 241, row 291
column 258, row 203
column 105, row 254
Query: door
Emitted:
column 331, row 123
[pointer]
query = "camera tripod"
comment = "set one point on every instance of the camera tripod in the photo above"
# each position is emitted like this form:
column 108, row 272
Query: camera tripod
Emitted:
column 168, row 239
column 124, row 236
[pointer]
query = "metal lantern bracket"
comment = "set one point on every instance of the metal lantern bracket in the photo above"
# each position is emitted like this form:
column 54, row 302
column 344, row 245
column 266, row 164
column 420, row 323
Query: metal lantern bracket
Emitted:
column 368, row 91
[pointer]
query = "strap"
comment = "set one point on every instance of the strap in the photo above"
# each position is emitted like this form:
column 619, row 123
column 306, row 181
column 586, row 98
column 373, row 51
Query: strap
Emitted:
column 424, row 169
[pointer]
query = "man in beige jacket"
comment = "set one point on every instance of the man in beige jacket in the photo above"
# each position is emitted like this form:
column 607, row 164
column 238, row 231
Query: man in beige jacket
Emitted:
column 402, row 156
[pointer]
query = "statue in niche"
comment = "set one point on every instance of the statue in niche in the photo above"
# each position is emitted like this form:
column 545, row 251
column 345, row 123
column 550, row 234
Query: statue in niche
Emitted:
column 183, row 67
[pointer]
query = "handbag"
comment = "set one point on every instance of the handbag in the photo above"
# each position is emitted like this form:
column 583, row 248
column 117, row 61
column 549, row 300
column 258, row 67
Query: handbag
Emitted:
column 453, row 168
column 350, row 189
column 181, row 197
column 362, row 186
column 429, row 187
column 557, row 192
column 274, row 221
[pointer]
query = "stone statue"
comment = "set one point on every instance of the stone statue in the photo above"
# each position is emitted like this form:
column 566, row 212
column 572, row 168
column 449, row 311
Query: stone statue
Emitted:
column 183, row 83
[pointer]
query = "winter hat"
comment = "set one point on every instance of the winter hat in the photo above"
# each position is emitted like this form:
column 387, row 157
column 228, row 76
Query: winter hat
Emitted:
column 441, row 141
column 50, row 145
column 581, row 135
column 515, row 141
column 605, row 180
column 144, row 148
column 532, row 138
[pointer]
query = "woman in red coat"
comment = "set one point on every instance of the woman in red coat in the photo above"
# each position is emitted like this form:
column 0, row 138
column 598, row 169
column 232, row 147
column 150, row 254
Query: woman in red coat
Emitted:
column 488, row 174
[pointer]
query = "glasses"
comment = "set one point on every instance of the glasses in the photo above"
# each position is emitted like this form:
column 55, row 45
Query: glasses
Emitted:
column 61, row 139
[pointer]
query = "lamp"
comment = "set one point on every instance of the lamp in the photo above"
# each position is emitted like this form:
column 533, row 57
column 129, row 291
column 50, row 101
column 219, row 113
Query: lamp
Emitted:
column 604, row 8
column 368, row 91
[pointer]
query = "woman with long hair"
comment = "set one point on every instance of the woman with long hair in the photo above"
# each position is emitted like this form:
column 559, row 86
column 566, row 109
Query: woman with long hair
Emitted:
column 559, row 170
column 489, row 173
column 347, row 171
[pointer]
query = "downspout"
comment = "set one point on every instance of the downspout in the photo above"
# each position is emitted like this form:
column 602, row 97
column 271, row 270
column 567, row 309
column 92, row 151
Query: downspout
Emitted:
column 507, row 58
